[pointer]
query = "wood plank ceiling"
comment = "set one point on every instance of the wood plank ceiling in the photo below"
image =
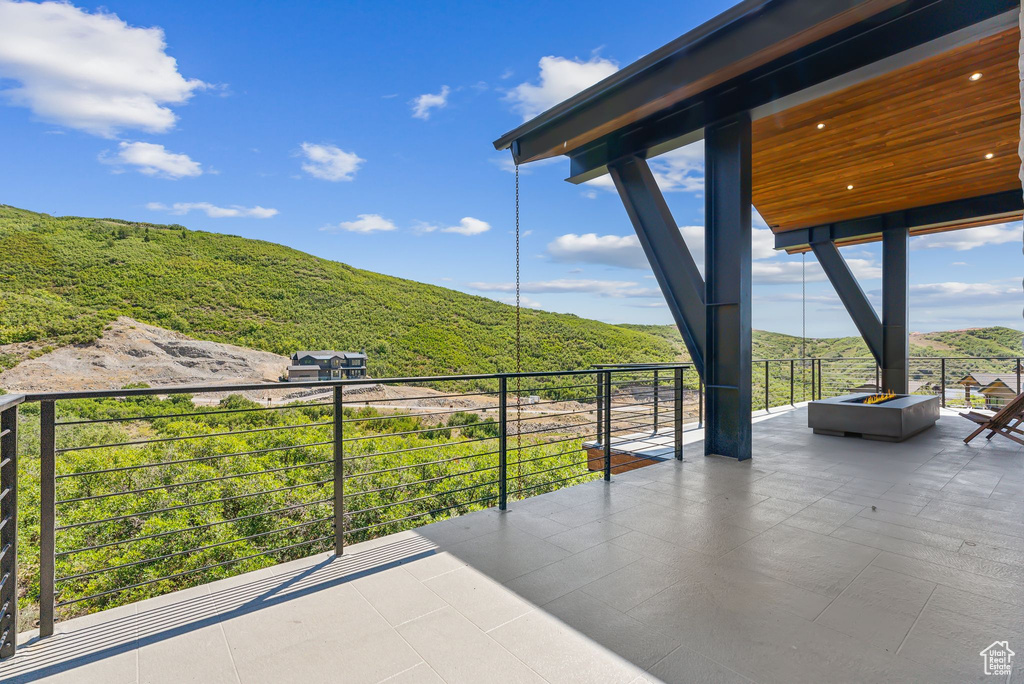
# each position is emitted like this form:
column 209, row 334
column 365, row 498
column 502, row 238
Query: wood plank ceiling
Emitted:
column 913, row 137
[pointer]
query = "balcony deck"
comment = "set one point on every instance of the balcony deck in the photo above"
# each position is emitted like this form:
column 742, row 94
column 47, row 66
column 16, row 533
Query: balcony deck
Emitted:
column 823, row 559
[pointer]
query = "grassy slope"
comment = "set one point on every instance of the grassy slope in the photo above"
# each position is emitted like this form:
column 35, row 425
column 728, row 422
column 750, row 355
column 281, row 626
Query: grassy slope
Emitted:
column 63, row 278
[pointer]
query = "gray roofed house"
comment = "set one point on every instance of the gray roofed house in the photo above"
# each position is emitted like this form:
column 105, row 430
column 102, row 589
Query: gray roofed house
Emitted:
column 325, row 364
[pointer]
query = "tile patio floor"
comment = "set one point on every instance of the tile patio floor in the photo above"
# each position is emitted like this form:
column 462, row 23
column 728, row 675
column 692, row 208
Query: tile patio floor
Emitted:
column 821, row 560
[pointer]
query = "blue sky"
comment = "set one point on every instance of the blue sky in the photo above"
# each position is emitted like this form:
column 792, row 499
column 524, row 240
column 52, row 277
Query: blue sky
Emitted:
column 361, row 132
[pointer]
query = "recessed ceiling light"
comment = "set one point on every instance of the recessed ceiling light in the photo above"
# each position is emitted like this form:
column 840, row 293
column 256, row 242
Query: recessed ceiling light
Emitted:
column 820, row 126
column 849, row 187
column 989, row 155
column 975, row 76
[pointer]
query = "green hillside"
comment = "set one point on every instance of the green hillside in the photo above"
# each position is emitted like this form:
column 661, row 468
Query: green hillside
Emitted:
column 62, row 279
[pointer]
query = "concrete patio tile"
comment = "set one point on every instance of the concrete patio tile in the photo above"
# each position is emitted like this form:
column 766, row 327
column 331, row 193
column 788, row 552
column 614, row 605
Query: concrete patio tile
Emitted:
column 585, row 536
column 561, row 654
column 824, row 516
column 987, row 587
column 420, row 674
column 953, row 559
column 561, row 577
column 460, row 652
column 824, row 565
column 803, row 490
column 508, row 553
column 485, row 602
column 613, row 629
column 998, row 554
column 872, row 524
column 433, row 565
column 537, row 525
column 768, row 513
column 397, row 595
column 878, row 607
column 198, row 656
column 957, row 530
column 334, row 630
column 686, row 665
column 878, row 503
column 633, row 584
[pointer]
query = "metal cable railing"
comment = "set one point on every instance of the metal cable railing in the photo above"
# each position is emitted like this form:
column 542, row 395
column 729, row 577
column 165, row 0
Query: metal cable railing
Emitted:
column 143, row 491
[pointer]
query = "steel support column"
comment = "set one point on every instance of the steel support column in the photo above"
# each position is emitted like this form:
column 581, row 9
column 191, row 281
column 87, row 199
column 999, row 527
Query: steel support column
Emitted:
column 666, row 251
column 895, row 333
column 727, row 368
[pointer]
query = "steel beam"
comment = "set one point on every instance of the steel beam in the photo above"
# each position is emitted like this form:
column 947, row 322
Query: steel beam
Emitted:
column 895, row 333
column 851, row 294
column 999, row 206
column 727, row 233
column 671, row 261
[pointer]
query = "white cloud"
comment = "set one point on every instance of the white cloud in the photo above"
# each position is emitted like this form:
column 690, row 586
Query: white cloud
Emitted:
column 329, row 162
column 523, row 301
column 955, row 293
column 560, row 78
column 681, row 170
column 605, row 288
column 422, row 105
column 468, row 226
column 590, row 248
column 153, row 160
column 214, row 211
column 364, row 223
column 969, row 238
column 89, row 71
column 422, row 227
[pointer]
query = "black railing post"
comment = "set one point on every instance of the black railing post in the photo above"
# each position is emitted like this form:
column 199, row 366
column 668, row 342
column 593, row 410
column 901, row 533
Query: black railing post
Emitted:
column 878, row 386
column 502, row 443
column 700, row 401
column 655, row 401
column 677, row 416
column 600, row 409
column 814, row 366
column 8, row 530
column 792, row 379
column 608, row 426
column 339, row 471
column 766, row 386
column 47, row 515
column 820, row 373
column 1017, row 361
column 942, row 384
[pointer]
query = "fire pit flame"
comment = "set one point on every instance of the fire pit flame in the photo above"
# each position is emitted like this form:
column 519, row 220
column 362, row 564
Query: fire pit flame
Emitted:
column 879, row 398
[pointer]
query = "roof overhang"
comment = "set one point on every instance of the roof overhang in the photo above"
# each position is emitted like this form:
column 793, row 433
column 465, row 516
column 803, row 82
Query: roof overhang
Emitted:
column 788, row 62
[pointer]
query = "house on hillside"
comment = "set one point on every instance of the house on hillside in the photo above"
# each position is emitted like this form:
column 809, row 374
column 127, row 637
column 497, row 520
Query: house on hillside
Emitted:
column 996, row 388
column 327, row 365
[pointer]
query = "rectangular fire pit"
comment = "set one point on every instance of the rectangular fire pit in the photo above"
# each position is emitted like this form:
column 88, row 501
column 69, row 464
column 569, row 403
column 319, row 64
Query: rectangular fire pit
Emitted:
column 892, row 419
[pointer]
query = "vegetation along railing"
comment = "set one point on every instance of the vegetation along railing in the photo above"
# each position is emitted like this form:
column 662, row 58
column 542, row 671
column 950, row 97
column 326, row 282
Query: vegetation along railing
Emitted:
column 131, row 493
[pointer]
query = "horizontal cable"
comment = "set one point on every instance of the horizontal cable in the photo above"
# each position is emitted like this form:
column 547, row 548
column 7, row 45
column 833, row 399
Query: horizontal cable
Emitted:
column 175, row 485
column 420, row 515
column 196, row 550
column 217, row 412
column 356, row 476
column 189, row 572
column 216, row 523
column 193, row 505
column 383, row 435
column 403, row 502
column 554, row 482
column 194, row 460
column 440, row 397
column 156, row 440
column 403, row 485
column 419, row 448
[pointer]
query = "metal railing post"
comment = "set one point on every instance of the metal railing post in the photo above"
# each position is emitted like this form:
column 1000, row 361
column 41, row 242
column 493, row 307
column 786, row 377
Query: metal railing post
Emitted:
column 655, row 401
column 700, row 401
column 677, row 416
column 878, row 384
column 1017, row 361
column 600, row 409
column 9, row 530
column 608, row 426
column 339, row 471
column 942, row 384
column 47, row 515
column 814, row 366
column 766, row 407
column 792, row 379
column 820, row 373
column 502, row 443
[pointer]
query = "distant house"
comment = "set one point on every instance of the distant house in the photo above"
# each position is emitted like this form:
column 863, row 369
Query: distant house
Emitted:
column 996, row 388
column 327, row 365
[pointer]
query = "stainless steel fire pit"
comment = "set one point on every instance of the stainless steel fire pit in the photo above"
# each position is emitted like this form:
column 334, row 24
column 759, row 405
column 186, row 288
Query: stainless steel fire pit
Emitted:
column 891, row 420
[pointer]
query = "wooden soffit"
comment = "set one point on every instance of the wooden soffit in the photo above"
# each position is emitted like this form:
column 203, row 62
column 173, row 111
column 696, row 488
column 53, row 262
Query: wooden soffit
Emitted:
column 911, row 137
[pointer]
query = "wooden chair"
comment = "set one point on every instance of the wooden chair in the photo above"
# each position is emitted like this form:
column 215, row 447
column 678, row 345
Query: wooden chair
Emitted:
column 1006, row 421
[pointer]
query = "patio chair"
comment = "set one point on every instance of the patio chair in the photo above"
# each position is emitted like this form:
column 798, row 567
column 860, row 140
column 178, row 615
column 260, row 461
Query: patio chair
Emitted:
column 1006, row 421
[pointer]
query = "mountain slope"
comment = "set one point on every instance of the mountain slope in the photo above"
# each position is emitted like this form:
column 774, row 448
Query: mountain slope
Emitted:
column 62, row 279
